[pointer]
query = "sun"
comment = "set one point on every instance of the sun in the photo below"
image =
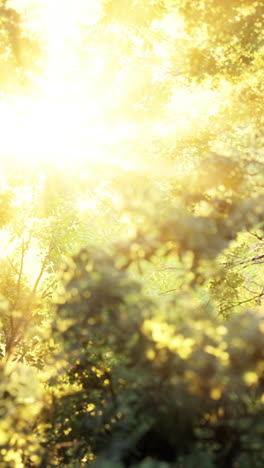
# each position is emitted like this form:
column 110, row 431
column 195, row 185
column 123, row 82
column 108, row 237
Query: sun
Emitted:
column 58, row 121
column 58, row 131
column 67, row 118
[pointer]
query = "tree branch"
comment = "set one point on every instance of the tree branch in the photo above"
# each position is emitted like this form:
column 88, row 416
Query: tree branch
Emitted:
column 238, row 304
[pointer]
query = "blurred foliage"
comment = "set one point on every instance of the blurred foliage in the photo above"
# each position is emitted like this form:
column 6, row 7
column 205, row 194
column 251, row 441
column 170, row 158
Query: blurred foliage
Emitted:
column 5, row 206
column 233, row 31
column 20, row 403
column 131, row 314
column 19, row 49
column 152, row 384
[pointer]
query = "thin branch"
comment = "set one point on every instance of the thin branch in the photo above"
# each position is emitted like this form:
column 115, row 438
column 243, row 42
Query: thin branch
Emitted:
column 17, row 332
column 260, row 296
column 11, row 339
column 238, row 304
column 35, row 287
column 14, row 330
column 172, row 268
column 257, row 257
column 249, row 262
column 20, row 273
column 47, row 292
column 253, row 263
column 170, row 290
column 12, row 266
column 43, row 266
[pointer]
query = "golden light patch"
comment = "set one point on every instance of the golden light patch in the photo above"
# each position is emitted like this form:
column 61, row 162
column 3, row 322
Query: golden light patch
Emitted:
column 150, row 354
column 250, row 378
column 261, row 326
column 216, row 393
column 165, row 336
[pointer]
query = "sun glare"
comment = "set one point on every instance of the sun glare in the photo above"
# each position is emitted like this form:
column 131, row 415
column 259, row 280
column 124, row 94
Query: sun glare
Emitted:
column 67, row 117
column 52, row 124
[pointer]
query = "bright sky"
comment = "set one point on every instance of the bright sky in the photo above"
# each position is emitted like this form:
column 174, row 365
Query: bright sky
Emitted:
column 69, row 116
column 55, row 123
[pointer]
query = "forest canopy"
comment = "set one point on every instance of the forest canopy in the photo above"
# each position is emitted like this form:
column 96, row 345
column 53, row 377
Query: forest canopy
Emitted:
column 131, row 234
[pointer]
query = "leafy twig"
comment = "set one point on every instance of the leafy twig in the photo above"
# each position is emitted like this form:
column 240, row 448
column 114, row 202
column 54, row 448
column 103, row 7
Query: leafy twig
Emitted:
column 238, row 304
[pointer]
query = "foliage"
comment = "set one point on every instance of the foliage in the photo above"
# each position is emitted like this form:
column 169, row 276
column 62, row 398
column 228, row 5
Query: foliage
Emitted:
column 20, row 403
column 131, row 315
column 152, row 384
column 19, row 49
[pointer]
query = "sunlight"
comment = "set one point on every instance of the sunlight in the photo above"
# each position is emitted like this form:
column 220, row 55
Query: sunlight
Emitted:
column 6, row 247
column 32, row 263
column 164, row 334
column 69, row 117
column 48, row 131
column 131, row 233
column 56, row 124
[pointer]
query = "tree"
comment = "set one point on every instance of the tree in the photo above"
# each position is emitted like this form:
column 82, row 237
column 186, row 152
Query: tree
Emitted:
column 19, row 49
column 150, row 351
